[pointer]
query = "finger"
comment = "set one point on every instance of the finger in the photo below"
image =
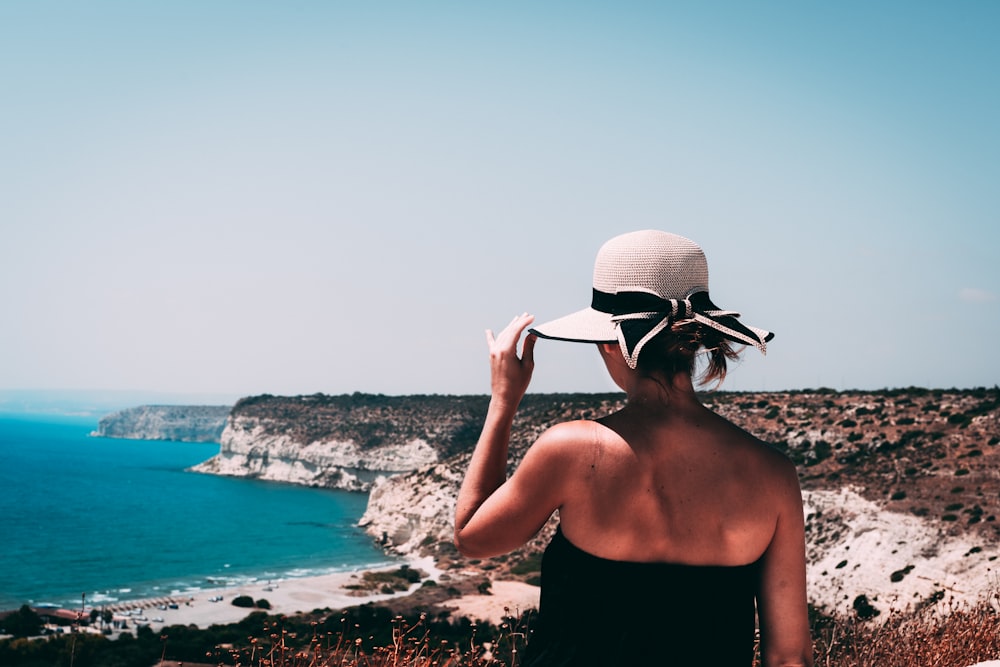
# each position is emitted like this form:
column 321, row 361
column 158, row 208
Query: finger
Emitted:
column 512, row 332
column 490, row 339
column 528, row 353
column 522, row 322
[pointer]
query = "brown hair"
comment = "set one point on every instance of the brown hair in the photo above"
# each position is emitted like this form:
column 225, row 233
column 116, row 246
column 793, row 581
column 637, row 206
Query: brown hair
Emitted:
column 674, row 350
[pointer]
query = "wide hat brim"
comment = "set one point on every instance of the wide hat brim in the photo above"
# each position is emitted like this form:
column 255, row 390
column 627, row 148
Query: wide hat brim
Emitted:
column 584, row 326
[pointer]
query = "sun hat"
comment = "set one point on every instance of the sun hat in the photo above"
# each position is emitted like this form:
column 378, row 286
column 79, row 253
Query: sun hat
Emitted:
column 644, row 282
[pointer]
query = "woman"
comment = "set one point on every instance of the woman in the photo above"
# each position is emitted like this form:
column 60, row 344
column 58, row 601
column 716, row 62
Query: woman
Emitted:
column 674, row 524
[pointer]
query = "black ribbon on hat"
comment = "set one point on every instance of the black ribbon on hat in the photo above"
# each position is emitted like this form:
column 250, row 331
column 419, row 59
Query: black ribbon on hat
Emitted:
column 639, row 316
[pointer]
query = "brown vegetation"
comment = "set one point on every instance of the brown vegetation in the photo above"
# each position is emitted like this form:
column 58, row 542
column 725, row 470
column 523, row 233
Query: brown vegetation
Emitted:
column 931, row 453
column 931, row 636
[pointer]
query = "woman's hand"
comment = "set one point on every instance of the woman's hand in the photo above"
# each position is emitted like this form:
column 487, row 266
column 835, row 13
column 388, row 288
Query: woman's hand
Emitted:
column 510, row 374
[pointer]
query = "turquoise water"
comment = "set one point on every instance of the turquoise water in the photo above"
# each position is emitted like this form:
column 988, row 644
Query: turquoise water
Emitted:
column 121, row 519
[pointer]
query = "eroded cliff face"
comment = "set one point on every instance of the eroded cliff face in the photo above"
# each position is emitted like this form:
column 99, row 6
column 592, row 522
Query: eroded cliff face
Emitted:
column 413, row 514
column 251, row 448
column 344, row 442
column 183, row 423
column 857, row 549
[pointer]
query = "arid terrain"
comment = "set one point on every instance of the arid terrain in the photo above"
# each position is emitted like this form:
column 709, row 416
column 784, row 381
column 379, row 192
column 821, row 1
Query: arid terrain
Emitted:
column 901, row 487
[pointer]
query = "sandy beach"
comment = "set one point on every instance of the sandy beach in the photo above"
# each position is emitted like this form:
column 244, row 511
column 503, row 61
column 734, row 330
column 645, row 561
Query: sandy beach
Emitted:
column 290, row 596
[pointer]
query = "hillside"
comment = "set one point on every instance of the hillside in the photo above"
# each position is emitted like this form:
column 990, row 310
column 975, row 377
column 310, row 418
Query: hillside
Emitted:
column 927, row 453
column 901, row 487
column 900, row 490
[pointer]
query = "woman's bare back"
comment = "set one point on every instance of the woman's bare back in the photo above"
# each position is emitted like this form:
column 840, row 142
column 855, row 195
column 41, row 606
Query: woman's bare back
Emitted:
column 681, row 486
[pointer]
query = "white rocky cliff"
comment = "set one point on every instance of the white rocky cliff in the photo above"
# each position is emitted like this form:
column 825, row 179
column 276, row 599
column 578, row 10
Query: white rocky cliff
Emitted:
column 253, row 450
column 182, row 423
column 344, row 442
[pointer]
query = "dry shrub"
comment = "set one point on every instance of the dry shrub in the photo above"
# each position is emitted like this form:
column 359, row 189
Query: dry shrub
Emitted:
column 410, row 646
column 938, row 635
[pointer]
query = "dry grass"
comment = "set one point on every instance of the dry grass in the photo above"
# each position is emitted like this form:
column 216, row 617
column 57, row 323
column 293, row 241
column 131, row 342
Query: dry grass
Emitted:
column 938, row 635
column 410, row 646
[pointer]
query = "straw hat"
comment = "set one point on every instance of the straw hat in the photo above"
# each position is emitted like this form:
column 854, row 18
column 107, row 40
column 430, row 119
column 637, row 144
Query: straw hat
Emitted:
column 644, row 282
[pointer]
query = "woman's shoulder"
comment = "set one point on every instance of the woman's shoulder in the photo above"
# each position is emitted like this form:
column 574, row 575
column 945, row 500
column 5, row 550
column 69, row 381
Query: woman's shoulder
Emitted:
column 570, row 438
column 759, row 450
column 560, row 445
column 574, row 432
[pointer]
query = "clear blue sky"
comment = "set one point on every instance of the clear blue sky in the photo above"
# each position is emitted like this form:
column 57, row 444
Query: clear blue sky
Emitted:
column 239, row 197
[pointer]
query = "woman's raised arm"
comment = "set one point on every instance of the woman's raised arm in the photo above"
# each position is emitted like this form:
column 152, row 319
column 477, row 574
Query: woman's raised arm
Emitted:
column 506, row 518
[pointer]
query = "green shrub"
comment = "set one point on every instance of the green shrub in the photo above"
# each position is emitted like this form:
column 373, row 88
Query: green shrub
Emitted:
column 532, row 563
column 864, row 609
column 410, row 575
column 243, row 601
column 23, row 623
column 821, row 452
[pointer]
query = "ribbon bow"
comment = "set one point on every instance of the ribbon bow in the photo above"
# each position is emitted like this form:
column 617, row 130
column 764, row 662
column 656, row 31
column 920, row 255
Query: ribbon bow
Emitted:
column 639, row 316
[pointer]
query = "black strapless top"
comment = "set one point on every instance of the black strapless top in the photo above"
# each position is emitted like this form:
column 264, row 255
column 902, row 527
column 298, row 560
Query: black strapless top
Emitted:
column 600, row 612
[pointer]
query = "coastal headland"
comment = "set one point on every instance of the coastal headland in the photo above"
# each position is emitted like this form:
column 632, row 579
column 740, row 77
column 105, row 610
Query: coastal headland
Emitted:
column 900, row 486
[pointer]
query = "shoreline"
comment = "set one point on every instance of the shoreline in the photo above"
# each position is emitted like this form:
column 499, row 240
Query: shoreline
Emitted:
column 293, row 595
column 214, row 606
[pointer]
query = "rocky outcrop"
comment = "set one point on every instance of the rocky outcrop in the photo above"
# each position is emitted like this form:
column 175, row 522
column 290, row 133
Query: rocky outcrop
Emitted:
column 183, row 423
column 857, row 550
column 248, row 449
column 345, row 442
column 413, row 513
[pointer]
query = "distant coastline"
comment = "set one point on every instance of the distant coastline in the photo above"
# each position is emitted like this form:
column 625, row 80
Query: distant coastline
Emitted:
column 97, row 403
column 181, row 423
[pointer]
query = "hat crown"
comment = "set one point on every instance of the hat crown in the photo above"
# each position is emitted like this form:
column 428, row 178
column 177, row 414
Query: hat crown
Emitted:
column 660, row 263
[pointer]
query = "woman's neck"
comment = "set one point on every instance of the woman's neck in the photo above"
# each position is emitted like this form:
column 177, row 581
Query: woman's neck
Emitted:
column 659, row 392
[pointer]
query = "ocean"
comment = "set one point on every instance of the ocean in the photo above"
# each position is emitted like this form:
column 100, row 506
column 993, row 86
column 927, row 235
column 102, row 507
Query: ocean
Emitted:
column 115, row 520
